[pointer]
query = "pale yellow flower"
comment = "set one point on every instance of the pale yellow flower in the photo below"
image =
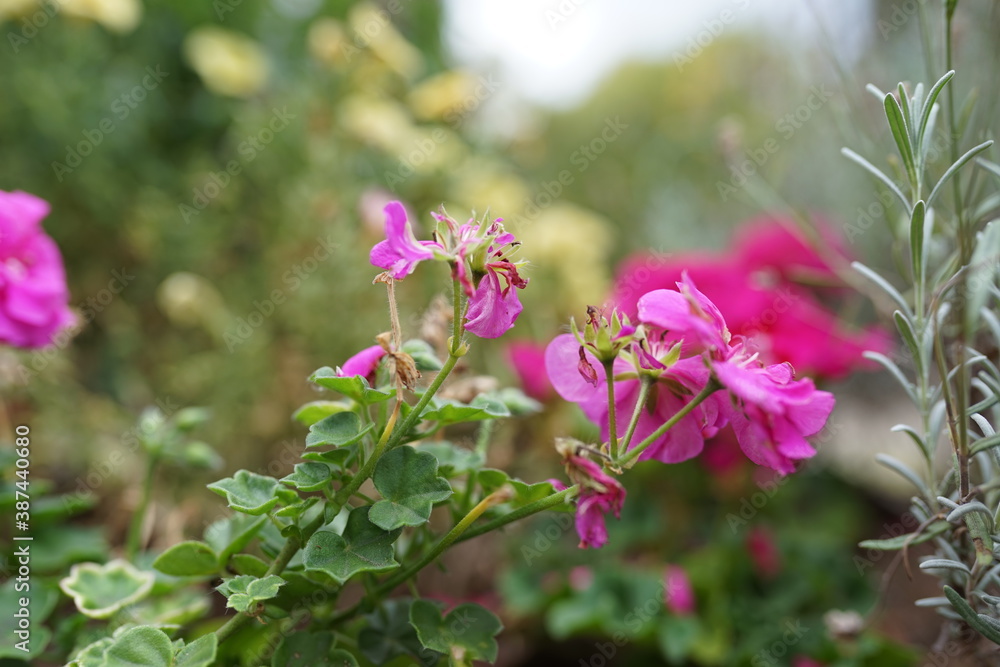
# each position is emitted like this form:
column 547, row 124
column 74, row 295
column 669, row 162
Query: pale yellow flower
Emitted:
column 117, row 15
column 227, row 62
column 371, row 28
column 328, row 41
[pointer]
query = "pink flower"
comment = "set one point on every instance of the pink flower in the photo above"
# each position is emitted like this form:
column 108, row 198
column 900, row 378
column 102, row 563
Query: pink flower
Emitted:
column 400, row 252
column 803, row 661
column 480, row 258
column 764, row 554
column 364, row 363
column 600, row 494
column 528, row 360
column 33, row 293
column 768, row 287
column 494, row 307
column 677, row 592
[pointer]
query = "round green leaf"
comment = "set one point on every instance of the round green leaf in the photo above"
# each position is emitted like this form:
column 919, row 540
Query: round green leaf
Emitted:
column 143, row 645
column 363, row 547
column 100, row 590
column 467, row 632
column 340, row 430
column 409, row 484
column 188, row 559
column 314, row 411
column 309, row 476
column 356, row 387
column 199, row 653
column 248, row 492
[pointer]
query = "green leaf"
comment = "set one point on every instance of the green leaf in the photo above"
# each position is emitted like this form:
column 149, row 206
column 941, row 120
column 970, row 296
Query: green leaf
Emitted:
column 248, row 492
column 188, row 559
column 453, row 460
column 310, row 413
column 199, row 653
column 387, row 634
column 953, row 169
column 917, row 241
column 303, row 649
column 341, row 429
column 309, row 476
column 244, row 592
column 232, row 535
column 886, row 287
column 408, row 482
column 341, row 658
column 970, row 615
column 248, row 564
column 929, row 104
column 900, row 541
column 423, row 355
column 100, row 590
column 874, row 171
column 355, row 388
column 518, row 403
column 982, row 272
column 143, row 645
column 897, row 123
column 363, row 547
column 181, row 607
column 341, row 458
column 466, row 633
column 448, row 411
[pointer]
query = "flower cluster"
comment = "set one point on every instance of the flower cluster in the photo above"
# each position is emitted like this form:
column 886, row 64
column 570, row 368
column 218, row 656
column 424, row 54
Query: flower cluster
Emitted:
column 480, row 255
column 668, row 368
column 33, row 294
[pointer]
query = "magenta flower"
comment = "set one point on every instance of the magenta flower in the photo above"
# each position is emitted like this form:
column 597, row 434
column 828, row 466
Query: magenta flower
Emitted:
column 600, row 494
column 480, row 258
column 33, row 293
column 774, row 289
column 364, row 363
column 494, row 307
column 678, row 595
column 400, row 252
column 528, row 361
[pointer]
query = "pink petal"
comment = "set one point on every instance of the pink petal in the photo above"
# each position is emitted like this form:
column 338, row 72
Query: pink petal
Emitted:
column 363, row 363
column 491, row 312
column 528, row 360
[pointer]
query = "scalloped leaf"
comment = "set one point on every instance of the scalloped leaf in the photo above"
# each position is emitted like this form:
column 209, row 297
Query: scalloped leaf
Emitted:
column 466, row 633
column 314, row 411
column 355, row 388
column 248, row 492
column 448, row 411
column 363, row 547
column 339, row 430
column 409, row 484
column 199, row 653
column 244, row 592
column 309, row 476
column 231, row 535
column 100, row 590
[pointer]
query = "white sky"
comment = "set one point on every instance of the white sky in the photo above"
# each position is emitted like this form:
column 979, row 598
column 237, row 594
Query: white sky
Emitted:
column 554, row 52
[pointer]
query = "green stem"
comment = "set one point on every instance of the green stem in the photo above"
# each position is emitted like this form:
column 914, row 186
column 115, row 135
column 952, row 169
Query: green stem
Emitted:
column 609, row 375
column 548, row 502
column 629, row 458
column 133, row 540
column 489, row 501
column 349, row 489
column 645, row 384
column 281, row 561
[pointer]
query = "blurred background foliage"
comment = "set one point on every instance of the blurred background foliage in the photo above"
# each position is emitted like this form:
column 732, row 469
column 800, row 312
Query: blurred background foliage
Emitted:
column 229, row 160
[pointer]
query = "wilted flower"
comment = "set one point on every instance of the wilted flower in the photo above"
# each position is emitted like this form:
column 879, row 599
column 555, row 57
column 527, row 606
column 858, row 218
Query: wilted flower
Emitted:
column 33, row 294
column 480, row 255
column 600, row 494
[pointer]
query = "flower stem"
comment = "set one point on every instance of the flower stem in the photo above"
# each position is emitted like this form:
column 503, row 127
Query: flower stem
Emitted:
column 281, row 561
column 629, row 458
column 349, row 489
column 532, row 508
column 133, row 540
column 612, row 425
column 645, row 384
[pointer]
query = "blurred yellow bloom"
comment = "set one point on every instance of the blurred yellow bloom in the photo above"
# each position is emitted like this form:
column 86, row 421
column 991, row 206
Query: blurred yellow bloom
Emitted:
column 116, row 15
column 573, row 244
column 192, row 301
column 377, row 121
column 327, row 41
column 372, row 28
column 482, row 183
column 228, row 63
column 442, row 96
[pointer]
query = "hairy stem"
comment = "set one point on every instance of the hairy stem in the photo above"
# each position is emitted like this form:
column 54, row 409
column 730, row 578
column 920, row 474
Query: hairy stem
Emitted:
column 645, row 384
column 609, row 374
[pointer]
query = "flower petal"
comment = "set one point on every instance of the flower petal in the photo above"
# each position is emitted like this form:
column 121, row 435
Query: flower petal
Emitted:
column 491, row 311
